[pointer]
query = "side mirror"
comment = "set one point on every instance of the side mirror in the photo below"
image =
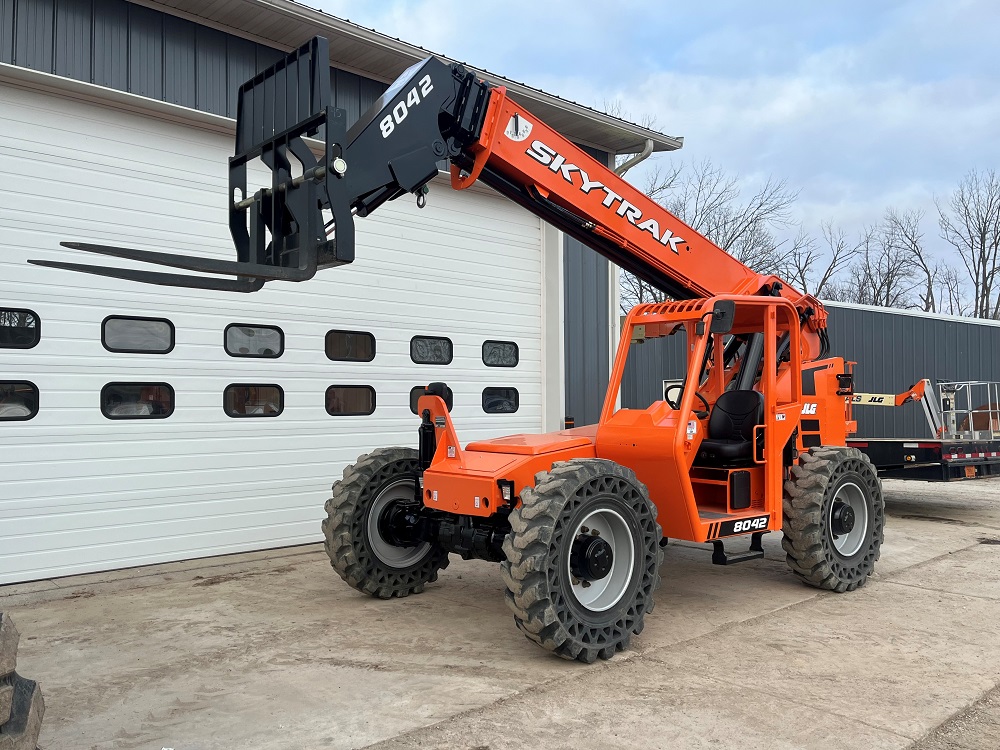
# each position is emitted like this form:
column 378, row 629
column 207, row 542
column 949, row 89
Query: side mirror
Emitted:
column 723, row 315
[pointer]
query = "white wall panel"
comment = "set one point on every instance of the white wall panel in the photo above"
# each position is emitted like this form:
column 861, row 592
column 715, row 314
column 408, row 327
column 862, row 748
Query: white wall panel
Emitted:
column 80, row 492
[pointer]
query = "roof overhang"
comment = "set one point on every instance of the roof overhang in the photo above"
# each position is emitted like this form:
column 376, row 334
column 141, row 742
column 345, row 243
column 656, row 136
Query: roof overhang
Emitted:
column 286, row 25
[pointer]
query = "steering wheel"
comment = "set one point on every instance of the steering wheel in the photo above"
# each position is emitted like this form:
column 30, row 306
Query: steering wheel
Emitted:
column 676, row 404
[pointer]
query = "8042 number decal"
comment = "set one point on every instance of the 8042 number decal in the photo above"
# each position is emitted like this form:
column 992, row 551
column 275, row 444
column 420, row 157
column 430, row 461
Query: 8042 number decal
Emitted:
column 403, row 106
column 743, row 526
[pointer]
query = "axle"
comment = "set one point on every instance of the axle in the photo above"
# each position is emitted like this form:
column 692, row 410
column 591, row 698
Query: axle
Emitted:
column 411, row 524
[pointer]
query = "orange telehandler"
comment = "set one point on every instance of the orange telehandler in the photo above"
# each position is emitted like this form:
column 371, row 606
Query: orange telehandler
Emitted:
column 752, row 440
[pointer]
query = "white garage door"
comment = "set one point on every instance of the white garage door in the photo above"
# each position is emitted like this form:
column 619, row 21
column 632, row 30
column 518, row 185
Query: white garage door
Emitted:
column 80, row 491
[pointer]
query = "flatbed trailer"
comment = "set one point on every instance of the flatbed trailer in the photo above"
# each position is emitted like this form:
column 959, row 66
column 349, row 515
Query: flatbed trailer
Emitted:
column 963, row 417
column 931, row 460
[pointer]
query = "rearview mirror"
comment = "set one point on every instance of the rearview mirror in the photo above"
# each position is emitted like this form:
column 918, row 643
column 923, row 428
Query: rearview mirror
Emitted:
column 722, row 316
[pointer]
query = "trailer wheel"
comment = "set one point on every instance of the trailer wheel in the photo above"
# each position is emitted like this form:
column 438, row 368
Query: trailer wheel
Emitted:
column 583, row 559
column 360, row 549
column 834, row 518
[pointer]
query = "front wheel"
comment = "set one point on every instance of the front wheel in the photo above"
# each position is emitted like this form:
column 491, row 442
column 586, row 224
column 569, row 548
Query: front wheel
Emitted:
column 834, row 518
column 358, row 534
column 583, row 559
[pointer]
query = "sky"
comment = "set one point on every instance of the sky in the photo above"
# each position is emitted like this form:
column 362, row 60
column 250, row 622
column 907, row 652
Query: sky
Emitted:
column 858, row 105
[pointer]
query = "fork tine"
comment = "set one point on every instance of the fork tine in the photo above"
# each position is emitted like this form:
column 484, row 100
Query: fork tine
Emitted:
column 242, row 284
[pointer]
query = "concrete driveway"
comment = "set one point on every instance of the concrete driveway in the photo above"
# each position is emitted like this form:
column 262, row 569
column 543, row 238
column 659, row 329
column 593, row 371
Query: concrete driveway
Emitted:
column 272, row 650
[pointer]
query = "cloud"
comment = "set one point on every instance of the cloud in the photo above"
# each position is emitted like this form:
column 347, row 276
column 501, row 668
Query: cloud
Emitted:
column 860, row 105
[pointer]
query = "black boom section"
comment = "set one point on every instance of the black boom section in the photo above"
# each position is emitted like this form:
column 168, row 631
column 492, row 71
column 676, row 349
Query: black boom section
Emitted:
column 322, row 174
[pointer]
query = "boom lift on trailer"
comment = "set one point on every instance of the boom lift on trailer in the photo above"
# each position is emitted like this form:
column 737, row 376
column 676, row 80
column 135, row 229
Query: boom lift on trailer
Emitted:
column 752, row 441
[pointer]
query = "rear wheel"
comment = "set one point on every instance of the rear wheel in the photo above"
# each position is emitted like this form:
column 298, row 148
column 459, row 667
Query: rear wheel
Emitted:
column 834, row 518
column 583, row 559
column 358, row 532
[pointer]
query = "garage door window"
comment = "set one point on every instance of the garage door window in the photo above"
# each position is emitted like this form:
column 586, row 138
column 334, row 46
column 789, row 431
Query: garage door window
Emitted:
column 120, row 333
column 431, row 350
column 18, row 400
column 19, row 329
column 350, row 400
column 254, row 341
column 137, row 400
column 500, row 354
column 350, row 346
column 250, row 400
column 500, row 400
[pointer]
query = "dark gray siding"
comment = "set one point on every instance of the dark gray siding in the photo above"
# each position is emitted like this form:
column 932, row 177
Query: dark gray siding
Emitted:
column 6, row 30
column 585, row 280
column 74, row 38
column 649, row 364
column 33, row 24
column 893, row 351
column 143, row 51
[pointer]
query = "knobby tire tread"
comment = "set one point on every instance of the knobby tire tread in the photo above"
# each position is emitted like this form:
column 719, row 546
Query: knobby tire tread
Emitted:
column 344, row 535
column 809, row 551
column 532, row 571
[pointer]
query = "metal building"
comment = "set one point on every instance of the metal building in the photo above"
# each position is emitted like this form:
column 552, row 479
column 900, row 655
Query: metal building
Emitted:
column 142, row 424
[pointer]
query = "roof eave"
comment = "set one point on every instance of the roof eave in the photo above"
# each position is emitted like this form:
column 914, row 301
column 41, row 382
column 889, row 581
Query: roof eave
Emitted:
column 413, row 53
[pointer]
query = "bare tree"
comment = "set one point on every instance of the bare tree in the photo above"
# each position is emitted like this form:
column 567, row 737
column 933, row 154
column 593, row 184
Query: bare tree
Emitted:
column 951, row 292
column 970, row 222
column 711, row 201
column 883, row 272
column 905, row 229
column 635, row 291
column 812, row 268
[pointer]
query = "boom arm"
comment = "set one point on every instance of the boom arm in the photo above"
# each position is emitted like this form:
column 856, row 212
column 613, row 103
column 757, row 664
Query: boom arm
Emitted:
column 434, row 112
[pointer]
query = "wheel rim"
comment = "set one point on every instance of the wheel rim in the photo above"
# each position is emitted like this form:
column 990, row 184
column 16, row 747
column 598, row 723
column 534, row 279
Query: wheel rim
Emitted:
column 605, row 593
column 384, row 550
column 849, row 515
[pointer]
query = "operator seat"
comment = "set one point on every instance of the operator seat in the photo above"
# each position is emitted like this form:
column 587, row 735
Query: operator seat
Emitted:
column 730, row 429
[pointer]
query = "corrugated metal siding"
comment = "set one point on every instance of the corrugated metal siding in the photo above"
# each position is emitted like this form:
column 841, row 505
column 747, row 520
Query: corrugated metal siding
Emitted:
column 33, row 26
column 241, row 65
column 147, row 52
column 210, row 66
column 347, row 94
column 586, row 311
column 179, row 45
column 6, row 30
column 649, row 364
column 73, row 40
column 893, row 351
column 110, row 20
column 585, row 279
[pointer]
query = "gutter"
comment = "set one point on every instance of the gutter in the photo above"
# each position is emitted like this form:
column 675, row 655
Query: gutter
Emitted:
column 641, row 156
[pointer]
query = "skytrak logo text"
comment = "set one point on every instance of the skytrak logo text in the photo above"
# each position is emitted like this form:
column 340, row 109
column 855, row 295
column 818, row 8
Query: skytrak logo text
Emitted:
column 557, row 163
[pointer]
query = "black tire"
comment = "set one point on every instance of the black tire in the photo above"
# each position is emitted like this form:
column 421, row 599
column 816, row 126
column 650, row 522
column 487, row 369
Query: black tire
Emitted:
column 819, row 551
column 540, row 589
column 354, row 550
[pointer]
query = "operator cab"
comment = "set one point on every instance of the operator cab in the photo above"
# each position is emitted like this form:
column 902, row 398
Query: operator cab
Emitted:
column 728, row 410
